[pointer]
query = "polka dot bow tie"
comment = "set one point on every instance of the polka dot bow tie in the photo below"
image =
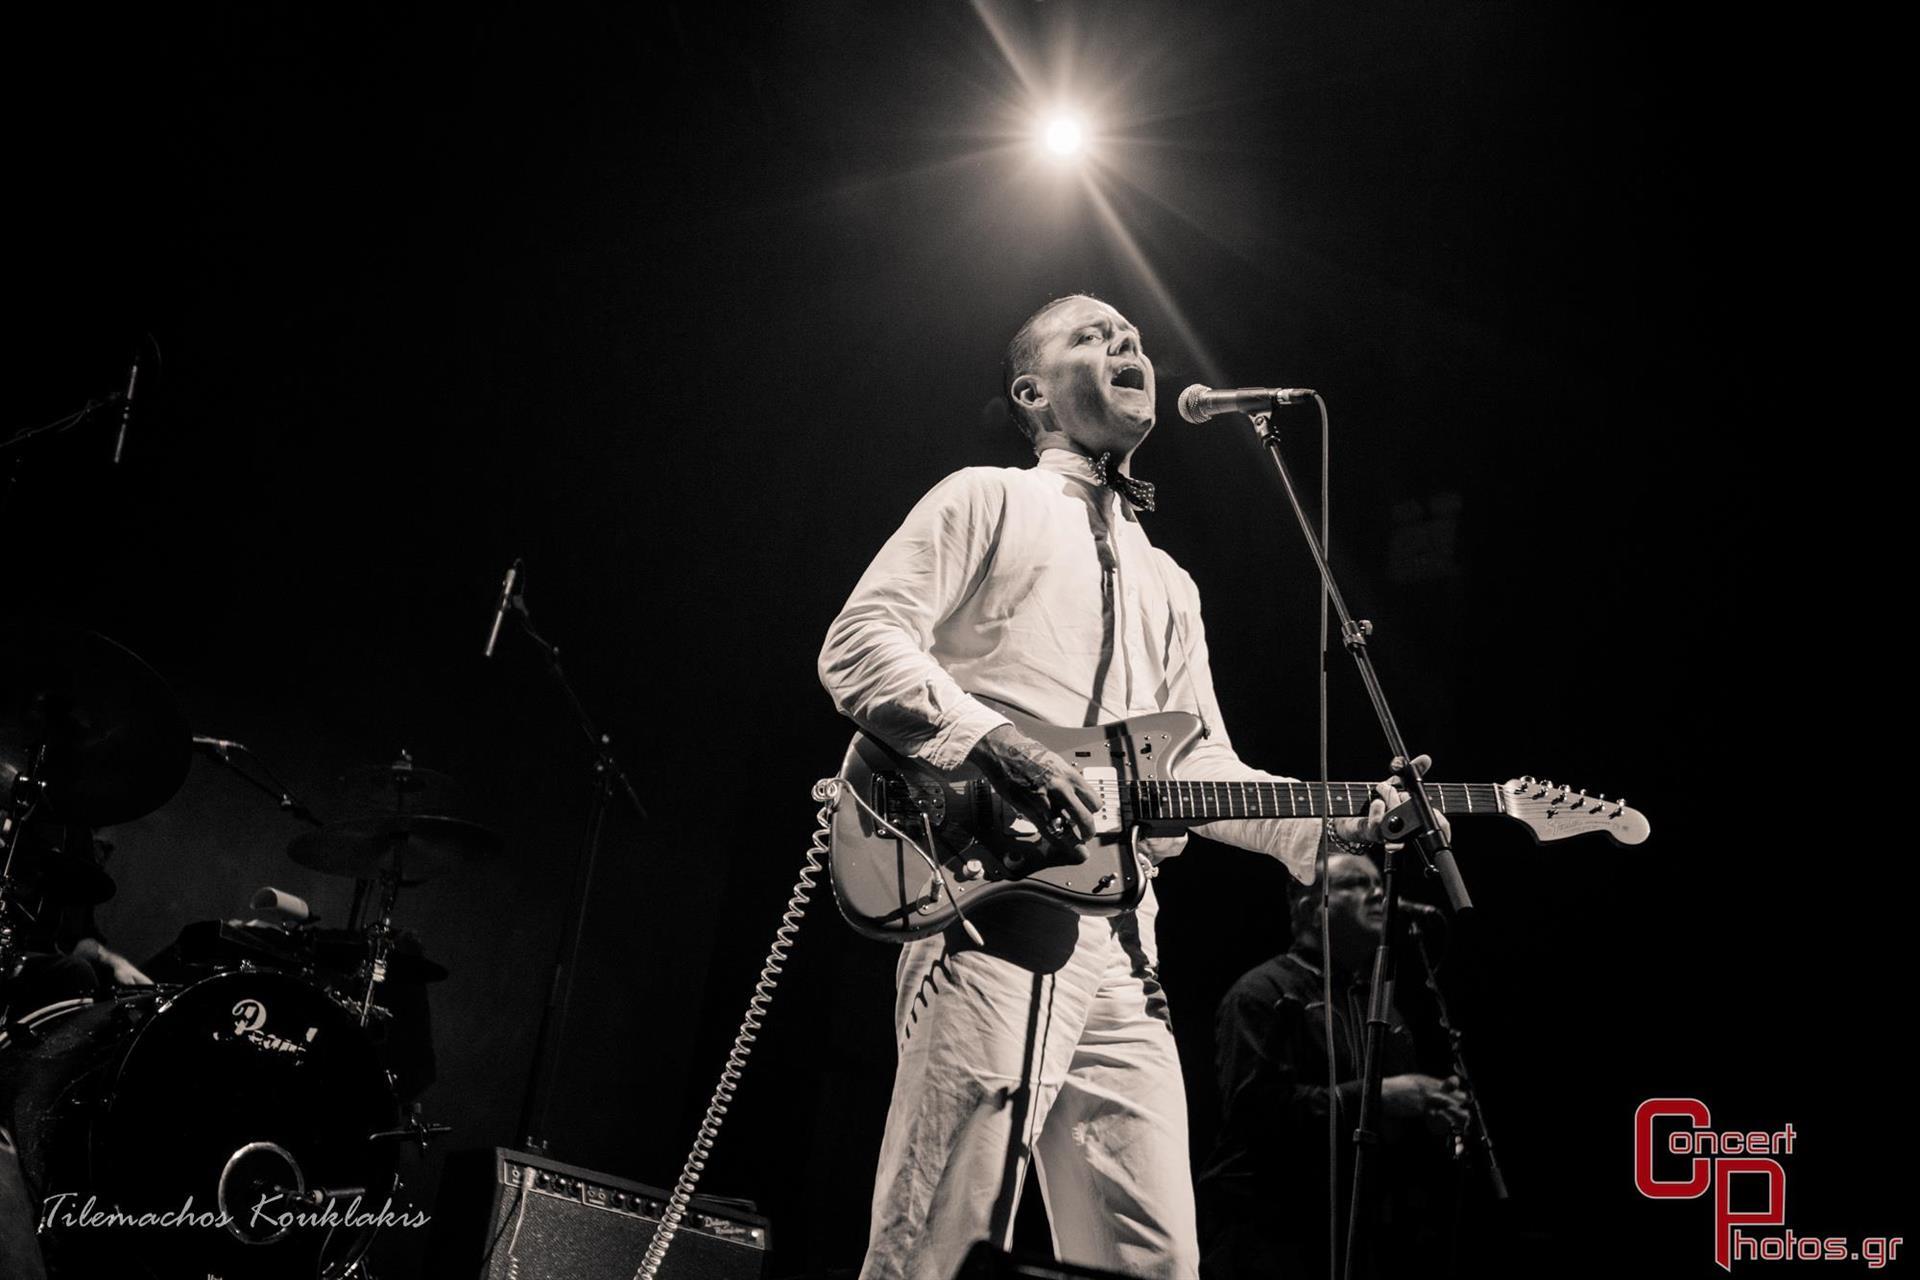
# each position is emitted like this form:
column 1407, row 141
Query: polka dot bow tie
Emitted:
column 1138, row 492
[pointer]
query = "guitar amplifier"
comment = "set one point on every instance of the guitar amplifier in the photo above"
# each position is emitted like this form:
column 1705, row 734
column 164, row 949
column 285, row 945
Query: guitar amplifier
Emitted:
column 503, row 1213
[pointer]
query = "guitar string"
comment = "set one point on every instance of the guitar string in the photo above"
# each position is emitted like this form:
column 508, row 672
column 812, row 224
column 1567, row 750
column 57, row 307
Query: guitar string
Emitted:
column 1223, row 796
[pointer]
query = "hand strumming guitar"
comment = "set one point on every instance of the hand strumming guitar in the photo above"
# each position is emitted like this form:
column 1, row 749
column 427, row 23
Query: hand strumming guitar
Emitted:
column 1049, row 791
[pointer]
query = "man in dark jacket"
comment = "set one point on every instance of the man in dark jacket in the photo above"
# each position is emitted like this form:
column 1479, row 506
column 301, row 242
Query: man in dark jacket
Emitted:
column 1263, row 1195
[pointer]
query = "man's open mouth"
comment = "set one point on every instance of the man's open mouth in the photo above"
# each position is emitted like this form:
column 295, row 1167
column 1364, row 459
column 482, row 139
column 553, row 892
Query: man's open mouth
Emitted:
column 1131, row 376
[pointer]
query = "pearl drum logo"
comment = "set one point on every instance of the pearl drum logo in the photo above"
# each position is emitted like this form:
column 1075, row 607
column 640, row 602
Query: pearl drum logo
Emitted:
column 249, row 1024
column 1713, row 1160
column 248, row 1015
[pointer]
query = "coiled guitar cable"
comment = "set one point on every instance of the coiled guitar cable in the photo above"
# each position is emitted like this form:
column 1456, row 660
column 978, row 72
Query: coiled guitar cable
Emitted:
column 827, row 792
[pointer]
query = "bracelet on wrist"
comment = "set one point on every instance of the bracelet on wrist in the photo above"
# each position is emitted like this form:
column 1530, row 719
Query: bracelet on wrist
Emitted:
column 1364, row 848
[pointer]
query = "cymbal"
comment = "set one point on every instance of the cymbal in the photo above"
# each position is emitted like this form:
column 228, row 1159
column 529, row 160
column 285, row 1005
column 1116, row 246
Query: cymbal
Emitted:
column 402, row 777
column 116, row 740
column 419, row 846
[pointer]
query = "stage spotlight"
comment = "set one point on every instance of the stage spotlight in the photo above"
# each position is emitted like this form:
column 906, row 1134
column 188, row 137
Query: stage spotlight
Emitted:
column 1064, row 135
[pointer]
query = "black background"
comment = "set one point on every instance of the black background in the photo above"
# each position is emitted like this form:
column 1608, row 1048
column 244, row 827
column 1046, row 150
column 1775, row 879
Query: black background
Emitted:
column 686, row 306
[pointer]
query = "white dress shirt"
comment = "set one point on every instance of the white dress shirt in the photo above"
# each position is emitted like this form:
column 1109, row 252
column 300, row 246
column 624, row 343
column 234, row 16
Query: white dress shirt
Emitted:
column 1035, row 587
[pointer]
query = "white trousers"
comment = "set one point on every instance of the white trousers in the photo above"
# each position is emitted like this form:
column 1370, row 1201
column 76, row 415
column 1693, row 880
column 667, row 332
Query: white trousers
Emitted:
column 1051, row 1044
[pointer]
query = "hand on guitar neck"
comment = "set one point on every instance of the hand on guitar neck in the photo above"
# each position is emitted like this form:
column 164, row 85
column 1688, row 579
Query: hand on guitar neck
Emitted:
column 1389, row 796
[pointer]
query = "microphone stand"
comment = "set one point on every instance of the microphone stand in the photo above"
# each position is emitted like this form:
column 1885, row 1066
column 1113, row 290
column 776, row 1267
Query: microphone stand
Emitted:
column 1456, row 1046
column 607, row 778
column 286, row 802
column 1413, row 823
column 1476, row 1130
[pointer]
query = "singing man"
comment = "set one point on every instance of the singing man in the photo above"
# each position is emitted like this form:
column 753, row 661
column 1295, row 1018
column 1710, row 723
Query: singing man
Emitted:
column 1037, row 588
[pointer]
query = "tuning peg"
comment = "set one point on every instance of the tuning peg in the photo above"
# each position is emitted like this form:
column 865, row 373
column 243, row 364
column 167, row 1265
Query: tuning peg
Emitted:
column 1622, row 802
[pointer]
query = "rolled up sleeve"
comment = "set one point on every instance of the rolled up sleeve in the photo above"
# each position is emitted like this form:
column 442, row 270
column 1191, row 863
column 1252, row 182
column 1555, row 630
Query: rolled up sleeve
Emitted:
column 877, row 662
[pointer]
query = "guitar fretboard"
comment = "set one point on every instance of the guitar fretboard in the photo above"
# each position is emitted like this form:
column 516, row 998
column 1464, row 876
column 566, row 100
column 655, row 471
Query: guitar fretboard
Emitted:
column 1205, row 801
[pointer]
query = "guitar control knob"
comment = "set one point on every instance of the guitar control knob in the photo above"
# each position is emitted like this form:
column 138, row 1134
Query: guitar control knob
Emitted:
column 971, row 869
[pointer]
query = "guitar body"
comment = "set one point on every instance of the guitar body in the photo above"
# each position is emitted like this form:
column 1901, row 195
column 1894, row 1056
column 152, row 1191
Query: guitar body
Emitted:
column 985, row 847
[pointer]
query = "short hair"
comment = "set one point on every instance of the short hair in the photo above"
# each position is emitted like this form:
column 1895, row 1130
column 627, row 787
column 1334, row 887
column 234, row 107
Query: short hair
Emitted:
column 1019, row 359
column 1303, row 899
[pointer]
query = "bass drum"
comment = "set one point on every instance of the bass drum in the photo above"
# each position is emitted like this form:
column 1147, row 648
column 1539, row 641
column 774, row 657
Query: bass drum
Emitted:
column 208, row 1125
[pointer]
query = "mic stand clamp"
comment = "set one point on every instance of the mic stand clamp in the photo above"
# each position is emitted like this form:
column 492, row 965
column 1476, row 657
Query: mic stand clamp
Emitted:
column 608, row 777
column 1418, row 826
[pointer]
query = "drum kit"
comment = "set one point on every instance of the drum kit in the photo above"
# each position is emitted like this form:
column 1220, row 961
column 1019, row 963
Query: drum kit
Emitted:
column 243, row 1117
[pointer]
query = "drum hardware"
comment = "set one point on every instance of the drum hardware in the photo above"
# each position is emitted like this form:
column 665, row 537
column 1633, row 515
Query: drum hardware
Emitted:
column 100, row 734
column 254, row 1152
column 380, row 935
column 411, row 788
column 402, row 777
column 412, row 1129
column 21, row 799
column 236, row 1087
column 392, row 851
column 318, row 1196
column 419, row 846
column 257, row 1077
column 90, row 736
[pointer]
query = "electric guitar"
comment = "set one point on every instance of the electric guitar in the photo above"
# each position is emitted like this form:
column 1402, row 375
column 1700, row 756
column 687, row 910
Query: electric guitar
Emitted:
column 913, row 848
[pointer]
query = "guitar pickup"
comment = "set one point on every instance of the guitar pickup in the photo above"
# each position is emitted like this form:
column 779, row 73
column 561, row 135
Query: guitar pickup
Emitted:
column 1106, row 780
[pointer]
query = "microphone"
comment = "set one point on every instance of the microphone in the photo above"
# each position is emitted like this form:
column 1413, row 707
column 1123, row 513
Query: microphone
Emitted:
column 507, row 585
column 126, row 405
column 1420, row 910
column 1200, row 402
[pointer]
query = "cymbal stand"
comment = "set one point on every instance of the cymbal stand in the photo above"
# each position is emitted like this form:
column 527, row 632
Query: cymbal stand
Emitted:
column 608, row 778
column 22, row 796
column 380, row 934
column 398, row 771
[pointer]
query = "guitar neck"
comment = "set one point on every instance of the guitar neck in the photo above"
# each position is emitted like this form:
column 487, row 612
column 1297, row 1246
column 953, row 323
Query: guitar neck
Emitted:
column 1209, row 801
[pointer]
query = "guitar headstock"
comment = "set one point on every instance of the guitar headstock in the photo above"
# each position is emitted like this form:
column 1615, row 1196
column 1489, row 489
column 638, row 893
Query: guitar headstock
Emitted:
column 1554, row 812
